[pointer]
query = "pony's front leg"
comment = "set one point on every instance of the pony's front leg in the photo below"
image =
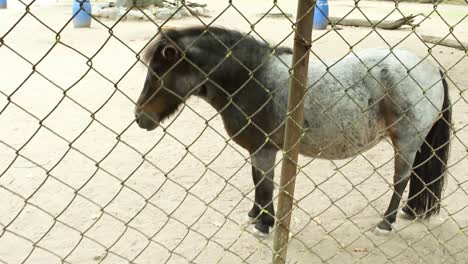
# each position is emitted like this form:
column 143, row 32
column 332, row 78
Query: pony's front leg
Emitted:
column 263, row 212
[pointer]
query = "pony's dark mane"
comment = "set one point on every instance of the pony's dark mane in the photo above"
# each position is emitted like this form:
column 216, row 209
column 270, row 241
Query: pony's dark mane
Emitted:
column 217, row 42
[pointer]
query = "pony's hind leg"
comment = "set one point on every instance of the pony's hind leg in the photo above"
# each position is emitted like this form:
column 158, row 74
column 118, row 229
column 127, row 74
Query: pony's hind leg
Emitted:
column 405, row 153
column 262, row 212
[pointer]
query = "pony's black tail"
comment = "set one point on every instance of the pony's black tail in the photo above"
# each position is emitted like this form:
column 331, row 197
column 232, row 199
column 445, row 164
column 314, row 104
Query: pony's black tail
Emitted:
column 429, row 169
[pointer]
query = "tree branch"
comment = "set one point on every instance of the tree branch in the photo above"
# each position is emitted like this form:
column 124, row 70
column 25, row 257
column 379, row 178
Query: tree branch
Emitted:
column 445, row 42
column 390, row 25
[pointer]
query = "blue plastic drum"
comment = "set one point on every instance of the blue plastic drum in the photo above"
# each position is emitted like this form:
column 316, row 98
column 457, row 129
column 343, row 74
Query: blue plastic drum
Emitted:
column 82, row 9
column 3, row 4
column 321, row 14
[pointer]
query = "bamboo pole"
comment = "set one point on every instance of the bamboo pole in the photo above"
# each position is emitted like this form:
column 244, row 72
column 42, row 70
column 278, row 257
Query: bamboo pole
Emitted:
column 293, row 130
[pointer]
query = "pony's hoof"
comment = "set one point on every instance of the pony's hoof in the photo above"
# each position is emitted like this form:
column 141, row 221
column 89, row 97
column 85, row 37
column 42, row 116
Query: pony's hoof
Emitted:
column 404, row 215
column 384, row 228
column 259, row 234
column 381, row 232
column 249, row 221
column 262, row 228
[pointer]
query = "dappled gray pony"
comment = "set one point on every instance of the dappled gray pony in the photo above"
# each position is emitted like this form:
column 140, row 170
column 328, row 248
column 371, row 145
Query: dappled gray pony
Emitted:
column 349, row 107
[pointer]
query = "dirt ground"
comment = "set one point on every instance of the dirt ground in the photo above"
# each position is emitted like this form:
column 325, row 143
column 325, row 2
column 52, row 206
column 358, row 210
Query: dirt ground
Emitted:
column 74, row 187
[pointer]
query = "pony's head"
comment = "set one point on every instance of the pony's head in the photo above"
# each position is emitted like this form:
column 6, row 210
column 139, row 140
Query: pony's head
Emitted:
column 209, row 62
column 162, row 93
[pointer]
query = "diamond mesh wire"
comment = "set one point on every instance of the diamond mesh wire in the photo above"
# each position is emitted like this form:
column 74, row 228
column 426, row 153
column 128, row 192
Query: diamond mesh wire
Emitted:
column 81, row 183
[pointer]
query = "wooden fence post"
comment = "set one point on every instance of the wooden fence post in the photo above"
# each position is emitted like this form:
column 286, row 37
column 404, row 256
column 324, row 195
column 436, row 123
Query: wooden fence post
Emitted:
column 297, row 87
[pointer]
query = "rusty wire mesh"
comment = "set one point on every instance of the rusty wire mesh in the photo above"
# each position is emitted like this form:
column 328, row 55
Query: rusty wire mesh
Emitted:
column 80, row 183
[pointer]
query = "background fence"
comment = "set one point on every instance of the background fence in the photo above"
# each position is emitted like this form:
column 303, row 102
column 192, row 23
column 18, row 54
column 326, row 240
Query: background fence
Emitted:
column 81, row 183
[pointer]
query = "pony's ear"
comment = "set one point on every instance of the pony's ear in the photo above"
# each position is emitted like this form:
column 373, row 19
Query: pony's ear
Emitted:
column 169, row 52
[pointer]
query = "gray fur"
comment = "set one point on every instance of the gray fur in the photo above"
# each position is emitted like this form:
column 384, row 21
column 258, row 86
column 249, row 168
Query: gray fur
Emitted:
column 344, row 109
column 360, row 100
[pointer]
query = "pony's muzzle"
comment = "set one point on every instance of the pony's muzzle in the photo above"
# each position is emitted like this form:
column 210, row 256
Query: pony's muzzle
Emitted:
column 146, row 120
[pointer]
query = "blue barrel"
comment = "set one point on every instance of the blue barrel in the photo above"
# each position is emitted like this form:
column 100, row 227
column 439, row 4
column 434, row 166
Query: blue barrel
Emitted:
column 3, row 4
column 82, row 9
column 321, row 14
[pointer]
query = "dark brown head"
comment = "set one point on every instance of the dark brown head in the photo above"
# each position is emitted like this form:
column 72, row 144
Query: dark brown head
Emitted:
column 197, row 61
column 161, row 95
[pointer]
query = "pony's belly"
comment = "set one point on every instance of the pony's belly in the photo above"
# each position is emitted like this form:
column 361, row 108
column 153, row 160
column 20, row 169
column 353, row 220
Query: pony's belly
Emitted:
column 339, row 145
column 335, row 151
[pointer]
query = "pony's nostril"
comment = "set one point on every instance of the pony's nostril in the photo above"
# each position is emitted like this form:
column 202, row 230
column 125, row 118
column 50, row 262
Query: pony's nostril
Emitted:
column 137, row 114
column 137, row 118
column 136, row 111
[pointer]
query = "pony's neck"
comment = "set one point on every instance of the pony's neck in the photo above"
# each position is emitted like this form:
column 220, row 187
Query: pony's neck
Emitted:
column 213, row 95
column 232, row 83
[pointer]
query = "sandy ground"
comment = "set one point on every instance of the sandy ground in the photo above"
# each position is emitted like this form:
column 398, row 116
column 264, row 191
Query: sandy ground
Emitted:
column 75, row 187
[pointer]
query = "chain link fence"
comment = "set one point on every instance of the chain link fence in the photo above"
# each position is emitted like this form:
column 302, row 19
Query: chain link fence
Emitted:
column 80, row 182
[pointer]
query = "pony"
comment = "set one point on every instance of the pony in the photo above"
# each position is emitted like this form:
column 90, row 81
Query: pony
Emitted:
column 351, row 104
